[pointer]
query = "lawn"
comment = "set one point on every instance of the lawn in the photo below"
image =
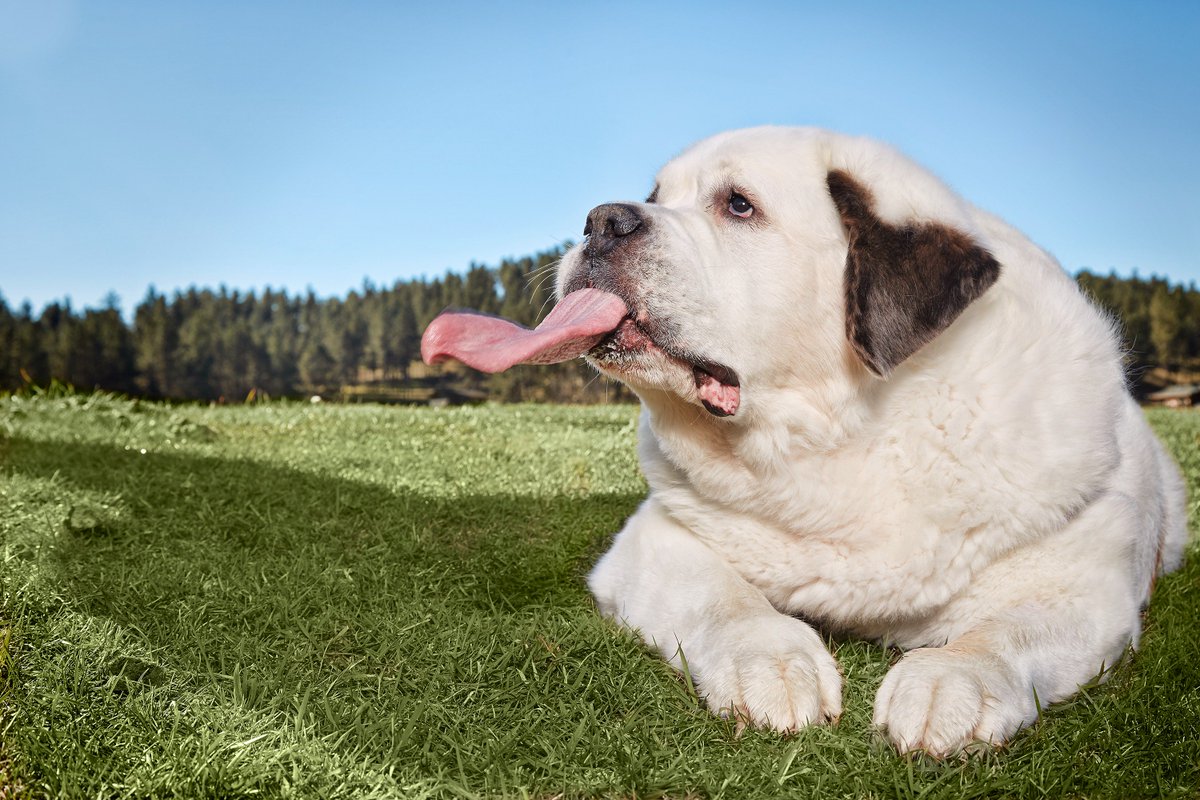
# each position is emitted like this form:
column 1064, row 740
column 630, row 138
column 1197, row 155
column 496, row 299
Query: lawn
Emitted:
column 287, row 600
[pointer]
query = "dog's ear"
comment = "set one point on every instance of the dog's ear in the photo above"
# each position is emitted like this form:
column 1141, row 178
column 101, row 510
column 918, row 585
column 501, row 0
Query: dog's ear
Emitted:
column 904, row 285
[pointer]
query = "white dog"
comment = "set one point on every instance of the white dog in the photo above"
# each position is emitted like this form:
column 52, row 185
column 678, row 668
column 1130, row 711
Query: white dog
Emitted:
column 870, row 406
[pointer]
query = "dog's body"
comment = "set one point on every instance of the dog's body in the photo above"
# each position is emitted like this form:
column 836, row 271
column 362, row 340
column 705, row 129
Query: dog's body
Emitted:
column 917, row 431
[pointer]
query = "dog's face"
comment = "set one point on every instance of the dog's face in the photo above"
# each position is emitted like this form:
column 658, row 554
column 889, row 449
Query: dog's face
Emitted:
column 760, row 262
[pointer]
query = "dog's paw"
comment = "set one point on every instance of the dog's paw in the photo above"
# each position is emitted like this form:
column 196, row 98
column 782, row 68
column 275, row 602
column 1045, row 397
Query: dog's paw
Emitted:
column 939, row 700
column 773, row 672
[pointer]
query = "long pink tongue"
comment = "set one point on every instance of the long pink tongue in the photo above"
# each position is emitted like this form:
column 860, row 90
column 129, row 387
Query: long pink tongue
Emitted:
column 492, row 344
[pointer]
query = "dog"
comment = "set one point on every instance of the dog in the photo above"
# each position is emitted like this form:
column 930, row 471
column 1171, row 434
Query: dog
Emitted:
column 868, row 408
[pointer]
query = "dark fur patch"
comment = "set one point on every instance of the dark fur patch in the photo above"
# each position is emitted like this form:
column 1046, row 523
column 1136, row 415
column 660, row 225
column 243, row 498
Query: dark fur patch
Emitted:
column 904, row 285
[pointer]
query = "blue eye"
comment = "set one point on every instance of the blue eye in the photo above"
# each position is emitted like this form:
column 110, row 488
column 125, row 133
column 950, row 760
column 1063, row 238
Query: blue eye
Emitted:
column 740, row 206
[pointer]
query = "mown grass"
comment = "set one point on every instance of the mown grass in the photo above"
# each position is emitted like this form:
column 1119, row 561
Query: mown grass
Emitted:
column 326, row 602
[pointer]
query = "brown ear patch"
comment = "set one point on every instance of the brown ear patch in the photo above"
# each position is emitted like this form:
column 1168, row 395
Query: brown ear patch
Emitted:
column 904, row 285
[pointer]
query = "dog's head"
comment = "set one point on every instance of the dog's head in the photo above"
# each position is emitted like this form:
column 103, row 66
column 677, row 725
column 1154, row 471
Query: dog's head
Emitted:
column 771, row 258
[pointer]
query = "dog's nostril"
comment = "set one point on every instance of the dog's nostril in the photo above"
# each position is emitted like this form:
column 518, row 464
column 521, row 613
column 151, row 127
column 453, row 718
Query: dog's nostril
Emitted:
column 587, row 226
column 623, row 221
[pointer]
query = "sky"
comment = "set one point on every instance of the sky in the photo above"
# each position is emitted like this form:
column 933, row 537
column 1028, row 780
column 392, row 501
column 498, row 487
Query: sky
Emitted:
column 317, row 145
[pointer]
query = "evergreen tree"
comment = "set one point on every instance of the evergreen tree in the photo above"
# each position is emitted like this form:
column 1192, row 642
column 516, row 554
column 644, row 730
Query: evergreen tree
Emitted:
column 109, row 351
column 405, row 345
column 29, row 348
column 155, row 340
column 10, row 375
column 279, row 323
column 318, row 370
column 1166, row 324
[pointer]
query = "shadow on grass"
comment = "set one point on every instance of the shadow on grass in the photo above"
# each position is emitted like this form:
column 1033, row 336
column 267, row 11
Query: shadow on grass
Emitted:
column 357, row 608
column 496, row 552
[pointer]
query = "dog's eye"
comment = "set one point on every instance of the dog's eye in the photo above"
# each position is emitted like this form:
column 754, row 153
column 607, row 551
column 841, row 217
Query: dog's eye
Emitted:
column 740, row 206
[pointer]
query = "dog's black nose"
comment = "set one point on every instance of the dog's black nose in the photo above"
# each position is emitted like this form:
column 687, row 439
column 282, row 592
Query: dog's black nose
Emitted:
column 608, row 224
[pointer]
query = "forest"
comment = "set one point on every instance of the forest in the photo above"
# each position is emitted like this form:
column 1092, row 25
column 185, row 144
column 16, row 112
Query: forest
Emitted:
column 228, row 346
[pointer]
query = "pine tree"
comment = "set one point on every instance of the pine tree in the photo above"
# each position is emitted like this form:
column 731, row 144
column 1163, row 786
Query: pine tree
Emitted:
column 29, row 348
column 1166, row 323
column 10, row 375
column 404, row 347
column 318, row 370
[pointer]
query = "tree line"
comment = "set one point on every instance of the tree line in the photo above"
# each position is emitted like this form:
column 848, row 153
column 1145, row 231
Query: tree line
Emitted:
column 227, row 345
column 1160, row 322
column 201, row 344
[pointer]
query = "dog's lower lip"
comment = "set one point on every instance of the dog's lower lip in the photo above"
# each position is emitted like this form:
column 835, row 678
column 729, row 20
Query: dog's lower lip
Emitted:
column 719, row 371
column 721, row 399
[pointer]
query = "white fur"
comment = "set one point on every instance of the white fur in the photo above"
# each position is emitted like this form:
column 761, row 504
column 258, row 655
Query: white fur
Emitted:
column 998, row 503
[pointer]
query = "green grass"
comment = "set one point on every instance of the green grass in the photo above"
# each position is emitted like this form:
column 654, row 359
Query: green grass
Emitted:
column 325, row 602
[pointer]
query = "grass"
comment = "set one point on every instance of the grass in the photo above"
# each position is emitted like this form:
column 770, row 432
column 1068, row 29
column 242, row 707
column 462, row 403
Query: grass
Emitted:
column 321, row 601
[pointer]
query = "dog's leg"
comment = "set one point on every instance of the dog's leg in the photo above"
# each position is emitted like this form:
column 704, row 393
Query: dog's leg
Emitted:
column 745, row 657
column 1029, row 631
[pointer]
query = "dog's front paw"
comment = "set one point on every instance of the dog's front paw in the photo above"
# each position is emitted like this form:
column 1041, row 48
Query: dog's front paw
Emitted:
column 941, row 699
column 774, row 672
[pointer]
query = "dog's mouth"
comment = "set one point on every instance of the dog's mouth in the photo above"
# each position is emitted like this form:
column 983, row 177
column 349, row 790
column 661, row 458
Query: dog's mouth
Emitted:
column 623, row 350
column 589, row 322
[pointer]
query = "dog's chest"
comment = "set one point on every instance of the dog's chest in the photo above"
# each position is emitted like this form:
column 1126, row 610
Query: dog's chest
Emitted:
column 844, row 539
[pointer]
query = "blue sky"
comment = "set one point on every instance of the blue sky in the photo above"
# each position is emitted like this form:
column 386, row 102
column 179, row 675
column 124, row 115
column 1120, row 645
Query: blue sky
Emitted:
column 298, row 144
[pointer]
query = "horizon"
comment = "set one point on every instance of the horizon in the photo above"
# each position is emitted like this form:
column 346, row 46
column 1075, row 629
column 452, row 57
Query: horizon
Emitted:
column 126, row 309
column 201, row 145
